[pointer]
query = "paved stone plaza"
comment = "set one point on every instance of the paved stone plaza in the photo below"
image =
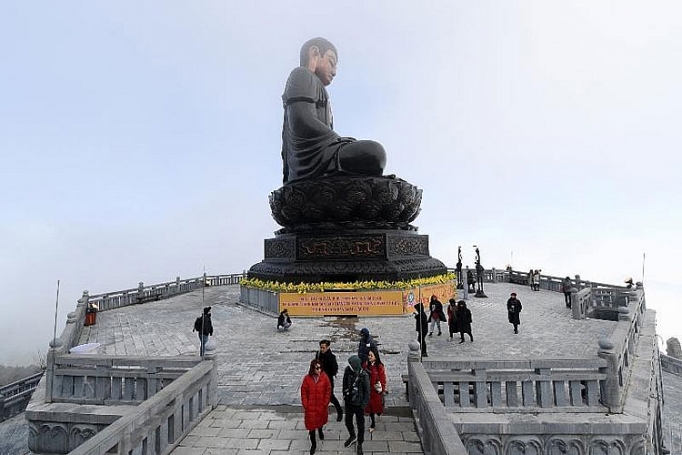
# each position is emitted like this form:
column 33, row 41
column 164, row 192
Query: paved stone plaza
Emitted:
column 260, row 369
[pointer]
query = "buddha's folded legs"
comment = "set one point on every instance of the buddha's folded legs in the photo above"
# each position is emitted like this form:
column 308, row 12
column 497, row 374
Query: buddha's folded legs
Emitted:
column 362, row 157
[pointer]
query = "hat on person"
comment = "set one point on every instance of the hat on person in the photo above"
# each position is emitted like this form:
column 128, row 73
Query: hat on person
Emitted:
column 207, row 309
column 355, row 363
column 514, row 294
column 364, row 332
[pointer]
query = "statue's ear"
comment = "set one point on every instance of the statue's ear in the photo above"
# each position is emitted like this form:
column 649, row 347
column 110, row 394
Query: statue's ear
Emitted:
column 313, row 56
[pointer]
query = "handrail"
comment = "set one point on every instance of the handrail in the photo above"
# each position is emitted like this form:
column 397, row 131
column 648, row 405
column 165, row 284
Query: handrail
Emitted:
column 15, row 396
column 160, row 422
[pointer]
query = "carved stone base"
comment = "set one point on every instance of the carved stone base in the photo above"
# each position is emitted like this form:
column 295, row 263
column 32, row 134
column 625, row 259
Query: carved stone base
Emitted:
column 347, row 256
column 345, row 202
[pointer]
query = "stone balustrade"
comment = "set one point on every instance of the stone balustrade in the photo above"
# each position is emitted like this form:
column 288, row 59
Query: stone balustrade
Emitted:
column 437, row 433
column 15, row 396
column 159, row 291
column 112, row 380
column 671, row 364
column 156, row 425
column 514, row 385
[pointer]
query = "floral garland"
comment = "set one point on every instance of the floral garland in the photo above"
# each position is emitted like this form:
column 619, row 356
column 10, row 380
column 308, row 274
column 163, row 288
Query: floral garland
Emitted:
column 302, row 288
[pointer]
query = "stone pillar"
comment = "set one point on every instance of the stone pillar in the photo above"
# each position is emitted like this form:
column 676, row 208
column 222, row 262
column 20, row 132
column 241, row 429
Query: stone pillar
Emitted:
column 611, row 391
column 52, row 353
column 578, row 283
column 211, row 355
column 494, row 275
column 140, row 291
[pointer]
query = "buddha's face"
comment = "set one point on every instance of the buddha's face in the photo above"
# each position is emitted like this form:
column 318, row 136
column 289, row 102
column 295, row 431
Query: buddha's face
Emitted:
column 325, row 67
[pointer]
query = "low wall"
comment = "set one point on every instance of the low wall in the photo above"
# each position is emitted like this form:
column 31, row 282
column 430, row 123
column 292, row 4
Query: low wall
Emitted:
column 15, row 396
column 438, row 435
column 117, row 418
column 671, row 364
column 511, row 386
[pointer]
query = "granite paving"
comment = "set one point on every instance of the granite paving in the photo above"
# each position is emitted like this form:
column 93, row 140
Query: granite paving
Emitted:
column 260, row 370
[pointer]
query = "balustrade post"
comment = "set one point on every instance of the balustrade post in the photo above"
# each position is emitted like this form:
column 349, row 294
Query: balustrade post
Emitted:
column 578, row 283
column 140, row 291
column 611, row 389
column 494, row 275
column 55, row 348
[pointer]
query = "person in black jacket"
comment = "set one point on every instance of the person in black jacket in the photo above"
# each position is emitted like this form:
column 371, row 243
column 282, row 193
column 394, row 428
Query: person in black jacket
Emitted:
column 421, row 326
column 513, row 310
column 464, row 320
column 355, row 396
column 365, row 345
column 331, row 367
column 283, row 321
column 436, row 315
column 204, row 327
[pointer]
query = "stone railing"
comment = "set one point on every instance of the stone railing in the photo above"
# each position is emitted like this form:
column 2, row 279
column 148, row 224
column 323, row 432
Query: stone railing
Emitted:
column 128, row 405
column 159, row 291
column 159, row 424
column 671, row 364
column 261, row 300
column 437, row 433
column 15, row 396
column 619, row 349
column 112, row 380
column 488, row 385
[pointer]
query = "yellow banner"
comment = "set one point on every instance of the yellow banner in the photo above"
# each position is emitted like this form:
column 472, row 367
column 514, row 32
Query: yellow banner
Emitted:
column 443, row 293
column 343, row 303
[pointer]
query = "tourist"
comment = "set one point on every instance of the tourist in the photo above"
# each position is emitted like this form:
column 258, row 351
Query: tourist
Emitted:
column 315, row 393
column 331, row 367
column 421, row 326
column 435, row 314
column 464, row 320
column 531, row 273
column 453, row 326
column 566, row 286
column 377, row 387
column 283, row 321
column 366, row 343
column 513, row 310
column 355, row 397
column 536, row 280
column 204, row 327
column 471, row 281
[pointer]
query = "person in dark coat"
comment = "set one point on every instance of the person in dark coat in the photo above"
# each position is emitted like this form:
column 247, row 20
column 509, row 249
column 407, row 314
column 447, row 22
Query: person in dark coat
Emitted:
column 464, row 321
column 283, row 321
column 366, row 343
column 377, row 386
column 453, row 325
column 355, row 397
column 315, row 394
column 566, row 286
column 471, row 281
column 436, row 314
column 513, row 310
column 204, row 327
column 421, row 326
column 331, row 367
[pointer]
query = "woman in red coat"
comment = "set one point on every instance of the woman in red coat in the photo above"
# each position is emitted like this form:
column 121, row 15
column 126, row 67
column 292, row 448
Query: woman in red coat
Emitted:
column 316, row 391
column 377, row 386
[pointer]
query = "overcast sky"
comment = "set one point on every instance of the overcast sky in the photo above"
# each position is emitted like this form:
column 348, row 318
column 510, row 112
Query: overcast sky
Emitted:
column 140, row 140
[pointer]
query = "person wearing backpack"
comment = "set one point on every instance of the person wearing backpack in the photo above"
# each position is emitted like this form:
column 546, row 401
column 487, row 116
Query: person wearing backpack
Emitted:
column 356, row 398
column 204, row 327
